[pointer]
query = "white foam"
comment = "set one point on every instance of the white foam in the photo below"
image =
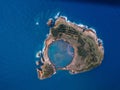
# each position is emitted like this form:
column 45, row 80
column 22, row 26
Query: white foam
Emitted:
column 57, row 15
column 64, row 17
column 38, row 54
column 47, row 35
column 37, row 63
column 37, row 23
column 43, row 46
column 93, row 30
column 101, row 41
column 68, row 21
column 83, row 26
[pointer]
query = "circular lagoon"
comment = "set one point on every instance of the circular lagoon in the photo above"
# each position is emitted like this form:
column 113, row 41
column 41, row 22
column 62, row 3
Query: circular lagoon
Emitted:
column 60, row 53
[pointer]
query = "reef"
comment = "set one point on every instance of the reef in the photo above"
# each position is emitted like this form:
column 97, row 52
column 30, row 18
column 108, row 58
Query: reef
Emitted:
column 88, row 48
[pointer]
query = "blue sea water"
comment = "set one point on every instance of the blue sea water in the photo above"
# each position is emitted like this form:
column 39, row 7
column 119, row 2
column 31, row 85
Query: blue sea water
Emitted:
column 22, row 33
column 60, row 53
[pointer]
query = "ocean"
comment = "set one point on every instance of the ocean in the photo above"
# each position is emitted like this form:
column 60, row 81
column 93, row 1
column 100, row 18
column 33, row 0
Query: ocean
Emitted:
column 23, row 30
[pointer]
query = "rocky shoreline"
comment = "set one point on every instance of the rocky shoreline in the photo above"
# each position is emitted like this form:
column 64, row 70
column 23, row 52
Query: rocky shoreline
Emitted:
column 88, row 49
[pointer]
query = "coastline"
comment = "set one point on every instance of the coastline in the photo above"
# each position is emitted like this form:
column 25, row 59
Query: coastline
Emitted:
column 78, row 63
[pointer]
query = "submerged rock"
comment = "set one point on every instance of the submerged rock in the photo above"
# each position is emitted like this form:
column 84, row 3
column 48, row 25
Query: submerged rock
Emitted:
column 88, row 49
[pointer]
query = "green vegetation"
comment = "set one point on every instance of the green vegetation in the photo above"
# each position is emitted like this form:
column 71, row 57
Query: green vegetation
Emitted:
column 54, row 32
column 91, row 66
column 62, row 28
column 81, row 40
column 48, row 70
column 82, row 52
column 71, row 31
column 59, row 30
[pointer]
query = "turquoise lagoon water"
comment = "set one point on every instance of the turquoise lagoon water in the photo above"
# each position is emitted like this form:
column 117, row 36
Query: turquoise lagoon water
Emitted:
column 60, row 53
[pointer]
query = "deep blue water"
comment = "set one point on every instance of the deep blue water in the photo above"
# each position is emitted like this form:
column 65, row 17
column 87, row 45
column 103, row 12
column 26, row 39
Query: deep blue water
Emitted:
column 21, row 37
column 60, row 53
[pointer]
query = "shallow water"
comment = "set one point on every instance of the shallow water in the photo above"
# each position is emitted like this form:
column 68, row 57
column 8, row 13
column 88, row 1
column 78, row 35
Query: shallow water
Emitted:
column 60, row 53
